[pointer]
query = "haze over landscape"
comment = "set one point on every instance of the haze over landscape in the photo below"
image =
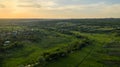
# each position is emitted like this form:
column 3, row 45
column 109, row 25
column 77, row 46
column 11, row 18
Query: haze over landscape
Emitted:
column 59, row 8
column 59, row 33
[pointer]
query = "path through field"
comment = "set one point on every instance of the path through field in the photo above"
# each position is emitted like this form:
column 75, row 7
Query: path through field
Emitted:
column 91, row 50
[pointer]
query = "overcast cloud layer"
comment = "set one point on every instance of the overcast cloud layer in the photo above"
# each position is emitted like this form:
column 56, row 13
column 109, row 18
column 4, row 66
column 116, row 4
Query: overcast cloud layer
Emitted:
column 59, row 8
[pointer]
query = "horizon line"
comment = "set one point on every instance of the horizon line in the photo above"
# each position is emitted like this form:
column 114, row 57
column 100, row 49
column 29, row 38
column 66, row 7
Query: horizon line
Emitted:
column 67, row 18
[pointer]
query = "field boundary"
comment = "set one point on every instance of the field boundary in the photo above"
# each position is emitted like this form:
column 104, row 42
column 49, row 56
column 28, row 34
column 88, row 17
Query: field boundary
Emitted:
column 91, row 50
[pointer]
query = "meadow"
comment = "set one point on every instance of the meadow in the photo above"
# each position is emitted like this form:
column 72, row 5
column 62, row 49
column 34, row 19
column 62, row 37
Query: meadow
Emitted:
column 60, row 42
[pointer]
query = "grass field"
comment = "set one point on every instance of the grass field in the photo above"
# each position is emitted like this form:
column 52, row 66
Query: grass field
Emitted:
column 60, row 43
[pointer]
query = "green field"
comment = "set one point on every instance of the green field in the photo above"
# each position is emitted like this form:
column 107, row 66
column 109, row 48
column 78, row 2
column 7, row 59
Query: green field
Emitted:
column 60, row 42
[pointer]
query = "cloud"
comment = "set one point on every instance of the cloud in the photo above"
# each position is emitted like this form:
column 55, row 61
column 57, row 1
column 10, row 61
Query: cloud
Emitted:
column 29, row 5
column 113, row 10
column 36, row 3
column 77, row 7
column 90, row 10
column 2, row 6
column 60, row 8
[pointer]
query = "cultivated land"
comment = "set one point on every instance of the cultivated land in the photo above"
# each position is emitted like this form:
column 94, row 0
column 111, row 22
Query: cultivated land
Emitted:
column 60, row 42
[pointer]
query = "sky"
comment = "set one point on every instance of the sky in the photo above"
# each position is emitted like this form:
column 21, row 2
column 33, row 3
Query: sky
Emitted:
column 59, row 8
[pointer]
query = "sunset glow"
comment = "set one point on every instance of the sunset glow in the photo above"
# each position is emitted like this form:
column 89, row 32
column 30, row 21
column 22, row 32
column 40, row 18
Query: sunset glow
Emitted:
column 59, row 8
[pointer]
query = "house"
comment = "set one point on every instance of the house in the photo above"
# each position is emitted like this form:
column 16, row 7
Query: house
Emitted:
column 15, row 33
column 6, row 43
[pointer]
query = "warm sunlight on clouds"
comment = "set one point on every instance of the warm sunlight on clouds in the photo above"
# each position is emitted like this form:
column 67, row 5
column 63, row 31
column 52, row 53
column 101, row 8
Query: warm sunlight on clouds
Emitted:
column 59, row 8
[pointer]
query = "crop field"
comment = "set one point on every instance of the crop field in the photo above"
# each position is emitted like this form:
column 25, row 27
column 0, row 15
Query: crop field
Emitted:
column 60, row 42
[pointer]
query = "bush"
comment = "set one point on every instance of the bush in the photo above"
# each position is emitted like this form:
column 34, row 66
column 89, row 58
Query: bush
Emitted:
column 11, row 46
column 52, row 55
